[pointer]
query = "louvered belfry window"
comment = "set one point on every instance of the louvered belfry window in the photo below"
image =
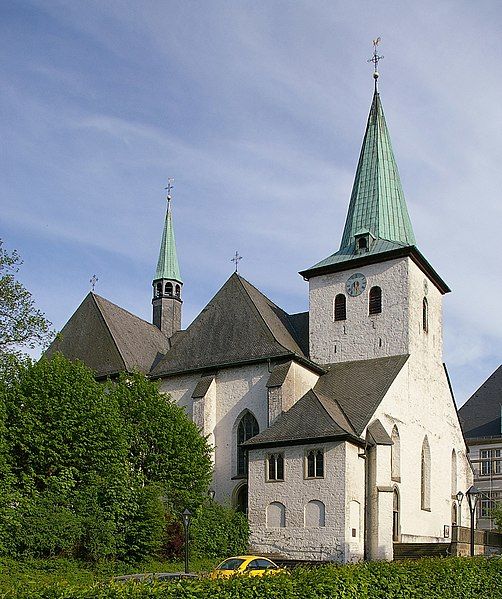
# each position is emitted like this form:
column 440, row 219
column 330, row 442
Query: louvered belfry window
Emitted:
column 340, row 307
column 375, row 303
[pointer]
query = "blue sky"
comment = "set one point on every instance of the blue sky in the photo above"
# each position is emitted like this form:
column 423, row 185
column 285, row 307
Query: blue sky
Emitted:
column 257, row 109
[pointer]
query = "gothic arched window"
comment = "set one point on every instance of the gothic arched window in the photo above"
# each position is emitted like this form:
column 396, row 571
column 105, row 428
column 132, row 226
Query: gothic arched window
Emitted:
column 247, row 428
column 395, row 456
column 425, row 482
column 453, row 473
column 375, row 303
column 425, row 315
column 340, row 307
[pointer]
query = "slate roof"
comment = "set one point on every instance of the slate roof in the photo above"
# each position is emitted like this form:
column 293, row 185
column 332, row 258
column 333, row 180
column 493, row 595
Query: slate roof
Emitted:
column 480, row 416
column 238, row 325
column 109, row 339
column 340, row 405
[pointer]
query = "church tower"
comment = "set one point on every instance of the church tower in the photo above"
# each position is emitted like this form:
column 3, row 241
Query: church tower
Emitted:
column 167, row 283
column 377, row 295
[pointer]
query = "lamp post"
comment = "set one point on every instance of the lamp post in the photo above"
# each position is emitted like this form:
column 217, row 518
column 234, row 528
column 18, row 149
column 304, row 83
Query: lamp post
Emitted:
column 472, row 497
column 187, row 516
column 459, row 496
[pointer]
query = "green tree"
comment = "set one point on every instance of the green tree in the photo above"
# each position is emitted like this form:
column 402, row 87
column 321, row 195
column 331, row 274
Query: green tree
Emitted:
column 21, row 324
column 91, row 469
column 165, row 447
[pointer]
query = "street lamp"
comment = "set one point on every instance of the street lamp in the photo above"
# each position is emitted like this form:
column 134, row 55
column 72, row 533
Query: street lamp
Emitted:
column 459, row 496
column 187, row 516
column 472, row 497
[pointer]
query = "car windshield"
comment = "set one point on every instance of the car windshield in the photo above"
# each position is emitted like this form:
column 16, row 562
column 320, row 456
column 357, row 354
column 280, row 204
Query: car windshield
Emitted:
column 230, row 564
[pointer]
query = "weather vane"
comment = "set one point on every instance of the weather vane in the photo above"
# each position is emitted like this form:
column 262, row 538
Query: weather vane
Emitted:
column 93, row 280
column 169, row 189
column 375, row 59
column 236, row 259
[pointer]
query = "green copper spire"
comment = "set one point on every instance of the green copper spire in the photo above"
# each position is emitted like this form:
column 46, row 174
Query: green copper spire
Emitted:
column 167, row 266
column 377, row 203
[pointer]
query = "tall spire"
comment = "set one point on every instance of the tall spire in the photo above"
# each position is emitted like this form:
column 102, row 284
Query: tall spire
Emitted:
column 167, row 265
column 377, row 203
column 167, row 283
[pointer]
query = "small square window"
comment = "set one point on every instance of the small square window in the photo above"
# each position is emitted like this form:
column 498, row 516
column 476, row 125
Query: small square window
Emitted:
column 275, row 466
column 314, row 463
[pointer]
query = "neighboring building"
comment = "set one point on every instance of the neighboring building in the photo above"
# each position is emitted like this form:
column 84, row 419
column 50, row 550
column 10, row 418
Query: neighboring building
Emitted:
column 481, row 422
column 336, row 428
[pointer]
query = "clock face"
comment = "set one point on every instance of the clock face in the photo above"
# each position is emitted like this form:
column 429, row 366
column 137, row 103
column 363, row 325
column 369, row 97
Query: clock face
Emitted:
column 355, row 284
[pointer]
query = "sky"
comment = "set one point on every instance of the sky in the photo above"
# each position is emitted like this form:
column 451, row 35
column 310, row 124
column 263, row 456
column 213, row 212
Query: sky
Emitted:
column 257, row 109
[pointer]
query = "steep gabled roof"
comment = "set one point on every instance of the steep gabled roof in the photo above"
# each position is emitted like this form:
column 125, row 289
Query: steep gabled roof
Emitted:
column 238, row 325
column 307, row 419
column 109, row 339
column 339, row 406
column 359, row 386
column 480, row 416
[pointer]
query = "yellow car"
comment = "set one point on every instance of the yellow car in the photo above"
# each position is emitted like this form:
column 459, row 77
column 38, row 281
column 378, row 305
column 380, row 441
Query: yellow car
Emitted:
column 251, row 565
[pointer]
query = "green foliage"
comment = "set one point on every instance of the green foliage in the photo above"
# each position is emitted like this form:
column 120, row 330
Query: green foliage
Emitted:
column 20, row 322
column 452, row 578
column 164, row 446
column 217, row 530
column 89, row 470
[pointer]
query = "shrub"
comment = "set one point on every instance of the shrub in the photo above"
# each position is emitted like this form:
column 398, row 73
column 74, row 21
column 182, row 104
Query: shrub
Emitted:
column 218, row 531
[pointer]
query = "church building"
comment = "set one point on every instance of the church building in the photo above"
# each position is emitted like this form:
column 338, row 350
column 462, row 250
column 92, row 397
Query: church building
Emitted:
column 335, row 429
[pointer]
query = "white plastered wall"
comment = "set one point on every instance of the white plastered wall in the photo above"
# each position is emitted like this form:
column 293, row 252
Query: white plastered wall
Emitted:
column 342, row 485
column 360, row 337
column 233, row 391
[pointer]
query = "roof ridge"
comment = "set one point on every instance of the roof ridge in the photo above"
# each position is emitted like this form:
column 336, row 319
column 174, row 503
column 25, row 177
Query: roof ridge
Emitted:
column 94, row 298
column 241, row 279
column 317, row 394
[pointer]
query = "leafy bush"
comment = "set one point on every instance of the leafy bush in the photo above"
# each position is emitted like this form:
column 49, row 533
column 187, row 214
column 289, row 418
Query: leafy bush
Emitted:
column 452, row 578
column 91, row 470
column 217, row 530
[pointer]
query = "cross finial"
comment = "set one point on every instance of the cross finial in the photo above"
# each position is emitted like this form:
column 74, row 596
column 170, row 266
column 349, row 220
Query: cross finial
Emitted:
column 375, row 59
column 169, row 189
column 236, row 259
column 93, row 280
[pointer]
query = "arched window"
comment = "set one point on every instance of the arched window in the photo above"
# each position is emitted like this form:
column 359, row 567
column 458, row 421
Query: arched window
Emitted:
column 453, row 473
column 454, row 514
column 241, row 499
column 315, row 514
column 375, row 303
column 178, row 290
column 169, row 288
column 158, row 289
column 276, row 515
column 395, row 456
column 340, row 307
column 425, row 470
column 248, row 427
column 425, row 315
column 395, row 515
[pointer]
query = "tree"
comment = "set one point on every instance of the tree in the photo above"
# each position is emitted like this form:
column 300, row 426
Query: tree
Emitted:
column 165, row 446
column 21, row 324
column 90, row 469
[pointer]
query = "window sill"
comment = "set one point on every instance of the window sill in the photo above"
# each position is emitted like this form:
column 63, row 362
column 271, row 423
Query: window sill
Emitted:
column 275, row 480
column 396, row 479
column 425, row 509
column 313, row 477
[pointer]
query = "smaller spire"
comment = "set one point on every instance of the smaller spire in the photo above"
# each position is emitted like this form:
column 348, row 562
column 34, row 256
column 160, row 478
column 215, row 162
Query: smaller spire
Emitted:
column 167, row 265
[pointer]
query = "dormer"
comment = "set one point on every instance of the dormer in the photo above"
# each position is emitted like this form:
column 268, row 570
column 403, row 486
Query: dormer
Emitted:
column 364, row 239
